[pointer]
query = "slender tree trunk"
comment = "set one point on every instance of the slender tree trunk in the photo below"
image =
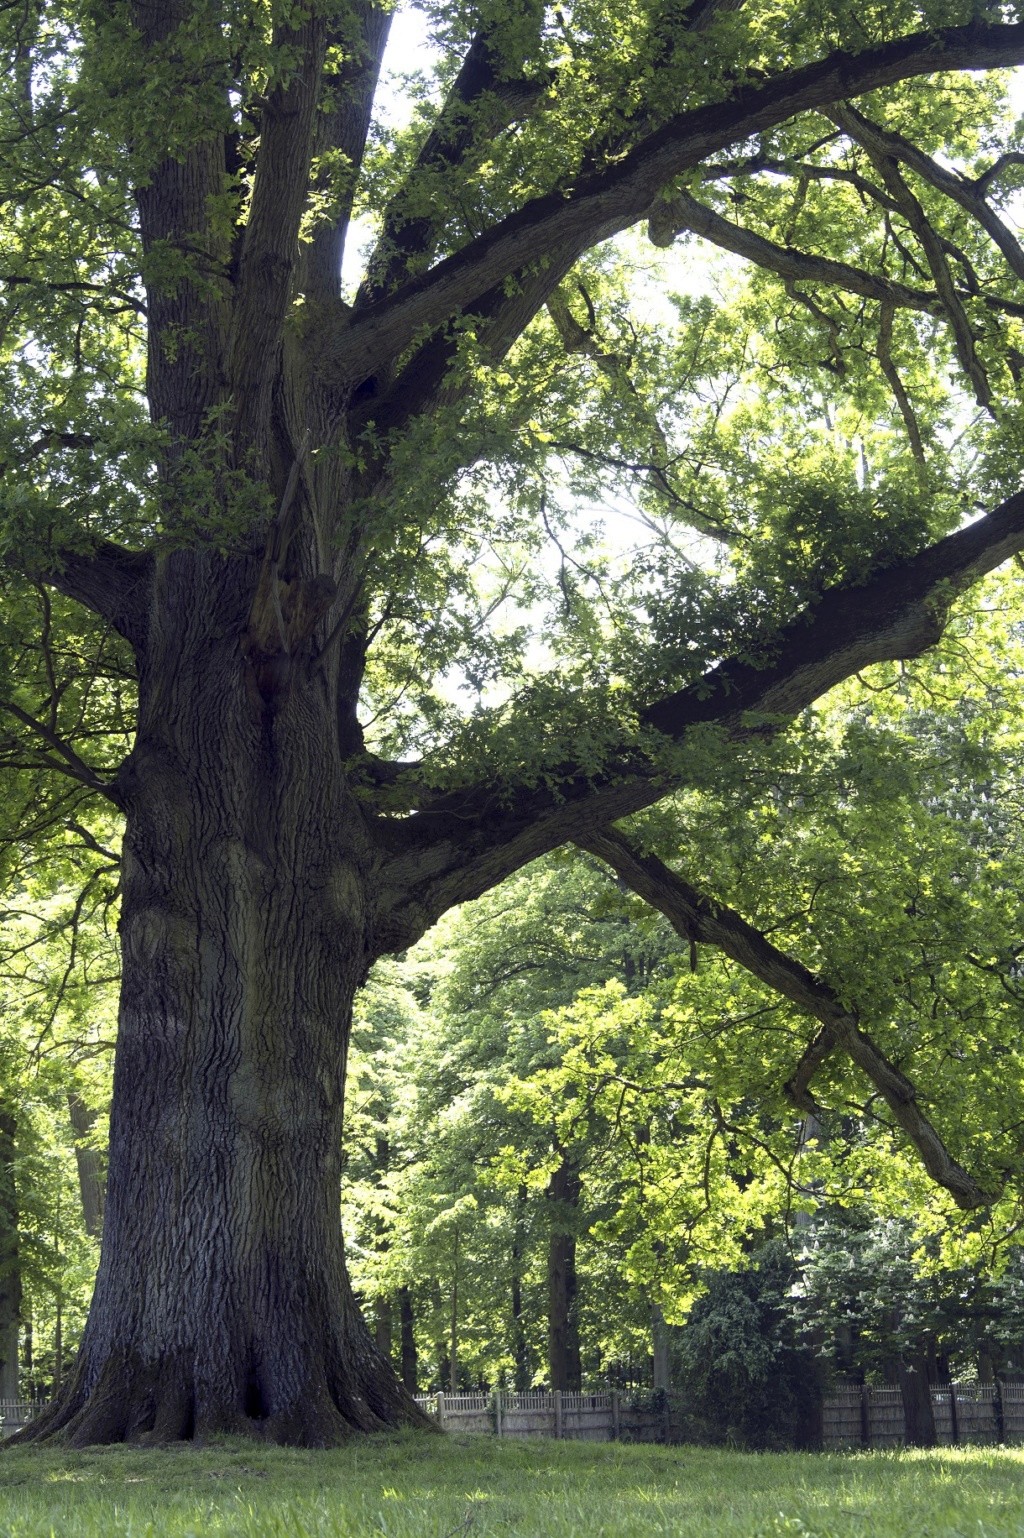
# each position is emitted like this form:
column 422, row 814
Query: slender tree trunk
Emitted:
column 382, row 1304
column 563, row 1329
column 58, row 1342
column 453, row 1327
column 407, row 1324
column 661, row 1367
column 382, row 1325
column 10, row 1260
column 28, row 1356
column 222, row 1300
column 87, row 1158
column 520, row 1350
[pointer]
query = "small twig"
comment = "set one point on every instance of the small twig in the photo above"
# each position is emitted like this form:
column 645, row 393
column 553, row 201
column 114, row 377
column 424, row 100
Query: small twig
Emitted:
column 463, row 1526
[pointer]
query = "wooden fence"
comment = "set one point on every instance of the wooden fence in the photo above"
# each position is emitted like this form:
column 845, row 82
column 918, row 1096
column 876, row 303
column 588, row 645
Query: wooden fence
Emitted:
column 604, row 1417
column 14, row 1413
column 852, row 1415
column 856, row 1416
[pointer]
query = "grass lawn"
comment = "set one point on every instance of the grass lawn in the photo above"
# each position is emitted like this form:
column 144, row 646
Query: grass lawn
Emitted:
column 417, row 1486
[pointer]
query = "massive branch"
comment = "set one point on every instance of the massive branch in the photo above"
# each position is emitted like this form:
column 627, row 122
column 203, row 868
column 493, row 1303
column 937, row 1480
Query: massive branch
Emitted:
column 696, row 918
column 342, row 131
column 270, row 248
column 602, row 204
column 111, row 581
column 460, row 844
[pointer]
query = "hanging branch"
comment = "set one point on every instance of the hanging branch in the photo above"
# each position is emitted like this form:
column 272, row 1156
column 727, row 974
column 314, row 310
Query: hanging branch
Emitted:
column 695, row 916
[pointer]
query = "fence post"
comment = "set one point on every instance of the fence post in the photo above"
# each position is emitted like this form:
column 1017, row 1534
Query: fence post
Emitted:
column 440, row 1410
column 497, row 1412
column 997, row 1406
column 616, row 1427
column 558, row 1413
column 865, row 1415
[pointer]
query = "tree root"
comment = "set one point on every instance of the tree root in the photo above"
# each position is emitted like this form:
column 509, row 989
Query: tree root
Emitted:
column 159, row 1403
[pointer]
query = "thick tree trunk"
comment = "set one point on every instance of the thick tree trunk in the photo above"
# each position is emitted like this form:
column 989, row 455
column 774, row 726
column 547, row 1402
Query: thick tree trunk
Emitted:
column 222, row 1301
column 563, row 1331
column 10, row 1260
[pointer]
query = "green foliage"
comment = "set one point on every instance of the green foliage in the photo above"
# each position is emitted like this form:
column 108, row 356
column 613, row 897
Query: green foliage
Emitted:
column 670, row 459
column 879, row 844
column 874, row 1296
column 745, row 1375
column 59, row 972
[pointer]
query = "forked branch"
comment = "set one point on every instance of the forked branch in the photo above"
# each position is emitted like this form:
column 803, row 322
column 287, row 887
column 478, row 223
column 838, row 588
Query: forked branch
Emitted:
column 931, row 245
column 684, row 212
column 483, row 99
column 969, row 195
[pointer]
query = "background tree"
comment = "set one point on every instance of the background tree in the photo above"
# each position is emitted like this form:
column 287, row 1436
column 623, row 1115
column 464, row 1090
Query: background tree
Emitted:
column 283, row 539
column 58, row 980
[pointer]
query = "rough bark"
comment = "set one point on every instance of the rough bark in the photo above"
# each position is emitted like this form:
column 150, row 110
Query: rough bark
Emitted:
column 222, row 1301
column 563, row 1329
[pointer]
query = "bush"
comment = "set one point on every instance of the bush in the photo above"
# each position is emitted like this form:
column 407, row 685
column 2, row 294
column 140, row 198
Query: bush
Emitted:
column 745, row 1378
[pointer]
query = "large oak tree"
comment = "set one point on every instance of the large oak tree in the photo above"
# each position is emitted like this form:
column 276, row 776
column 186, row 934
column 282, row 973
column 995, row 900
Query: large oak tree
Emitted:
column 263, row 541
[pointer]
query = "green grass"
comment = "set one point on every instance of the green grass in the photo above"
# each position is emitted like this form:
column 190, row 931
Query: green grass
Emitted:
column 474, row 1487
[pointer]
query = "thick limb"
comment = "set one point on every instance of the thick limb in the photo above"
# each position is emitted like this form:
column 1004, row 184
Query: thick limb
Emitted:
column 696, row 917
column 460, row 844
